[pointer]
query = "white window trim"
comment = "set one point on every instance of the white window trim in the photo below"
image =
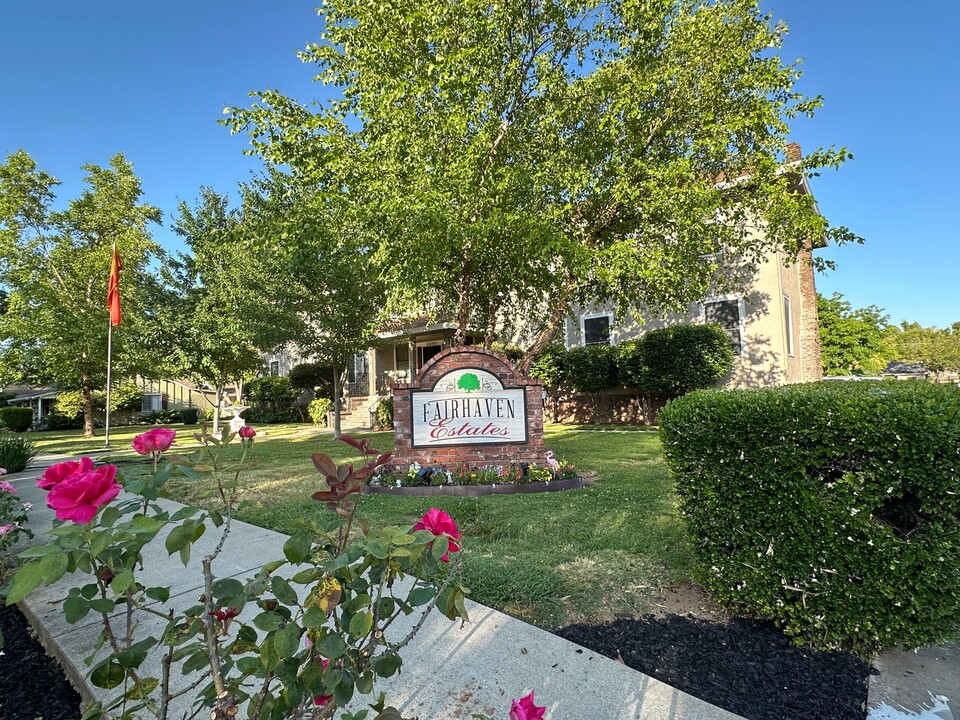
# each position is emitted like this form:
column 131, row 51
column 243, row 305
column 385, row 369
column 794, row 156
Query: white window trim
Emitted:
column 788, row 316
column 594, row 316
column 743, row 315
column 151, row 395
column 270, row 367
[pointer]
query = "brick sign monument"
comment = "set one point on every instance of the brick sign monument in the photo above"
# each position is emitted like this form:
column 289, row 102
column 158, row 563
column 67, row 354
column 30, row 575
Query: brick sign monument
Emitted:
column 469, row 405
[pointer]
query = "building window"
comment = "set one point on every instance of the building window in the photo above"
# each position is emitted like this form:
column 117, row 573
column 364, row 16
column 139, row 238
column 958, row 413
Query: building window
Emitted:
column 152, row 402
column 788, row 323
column 728, row 315
column 274, row 368
column 596, row 330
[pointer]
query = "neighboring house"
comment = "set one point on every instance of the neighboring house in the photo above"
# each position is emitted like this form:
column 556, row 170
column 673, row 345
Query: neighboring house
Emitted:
column 772, row 324
column 906, row 371
column 41, row 400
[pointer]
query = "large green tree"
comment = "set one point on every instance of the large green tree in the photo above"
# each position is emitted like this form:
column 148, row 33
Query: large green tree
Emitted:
column 853, row 341
column 55, row 267
column 320, row 266
column 226, row 317
column 512, row 160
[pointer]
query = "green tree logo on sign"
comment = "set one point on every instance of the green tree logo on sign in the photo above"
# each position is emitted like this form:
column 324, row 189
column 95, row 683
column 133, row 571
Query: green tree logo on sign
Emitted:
column 468, row 382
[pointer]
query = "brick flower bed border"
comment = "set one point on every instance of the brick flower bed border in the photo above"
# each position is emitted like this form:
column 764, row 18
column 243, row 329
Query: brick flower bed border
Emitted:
column 478, row 490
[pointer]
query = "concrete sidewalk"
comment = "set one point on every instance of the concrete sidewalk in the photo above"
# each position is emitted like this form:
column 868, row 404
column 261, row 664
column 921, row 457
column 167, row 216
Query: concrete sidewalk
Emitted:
column 449, row 671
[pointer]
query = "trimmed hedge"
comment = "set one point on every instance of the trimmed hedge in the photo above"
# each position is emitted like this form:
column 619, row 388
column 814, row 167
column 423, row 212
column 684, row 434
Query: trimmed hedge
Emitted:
column 677, row 359
column 17, row 419
column 590, row 369
column 832, row 509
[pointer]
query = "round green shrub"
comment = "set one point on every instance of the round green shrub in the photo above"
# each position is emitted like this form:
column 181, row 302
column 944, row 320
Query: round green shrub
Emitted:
column 318, row 409
column 274, row 392
column 189, row 415
column 676, row 360
column 312, row 376
column 16, row 451
column 15, row 418
column 832, row 509
column 549, row 366
column 590, row 369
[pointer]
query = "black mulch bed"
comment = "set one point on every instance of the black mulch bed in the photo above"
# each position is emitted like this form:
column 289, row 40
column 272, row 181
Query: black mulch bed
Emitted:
column 32, row 685
column 746, row 667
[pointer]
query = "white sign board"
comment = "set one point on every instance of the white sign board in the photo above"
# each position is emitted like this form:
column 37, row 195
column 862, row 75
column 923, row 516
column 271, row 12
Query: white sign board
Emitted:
column 468, row 407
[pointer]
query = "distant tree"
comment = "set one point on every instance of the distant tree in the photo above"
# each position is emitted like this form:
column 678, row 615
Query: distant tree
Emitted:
column 55, row 267
column 315, row 377
column 937, row 348
column 226, row 318
column 320, row 266
column 853, row 341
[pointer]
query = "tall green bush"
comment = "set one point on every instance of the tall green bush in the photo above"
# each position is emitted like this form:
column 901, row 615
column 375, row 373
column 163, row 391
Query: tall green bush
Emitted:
column 318, row 409
column 16, row 451
column 383, row 416
column 675, row 360
column 590, row 369
column 15, row 418
column 832, row 509
column 274, row 392
column 549, row 366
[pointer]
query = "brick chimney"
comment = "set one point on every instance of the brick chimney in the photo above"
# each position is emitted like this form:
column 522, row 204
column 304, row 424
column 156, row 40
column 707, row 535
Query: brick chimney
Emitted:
column 811, row 363
column 794, row 154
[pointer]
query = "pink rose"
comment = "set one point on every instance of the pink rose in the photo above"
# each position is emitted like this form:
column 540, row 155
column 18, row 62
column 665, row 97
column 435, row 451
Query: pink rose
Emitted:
column 6, row 529
column 56, row 473
column 3, row 471
column 8, row 487
column 247, row 432
column 157, row 440
column 79, row 496
column 524, row 709
column 440, row 523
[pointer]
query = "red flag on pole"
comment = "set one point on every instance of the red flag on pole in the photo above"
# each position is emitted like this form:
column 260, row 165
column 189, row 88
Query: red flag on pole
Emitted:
column 113, row 289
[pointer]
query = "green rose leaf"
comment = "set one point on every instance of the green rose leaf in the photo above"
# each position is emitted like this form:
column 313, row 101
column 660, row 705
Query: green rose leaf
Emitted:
column 75, row 608
column 332, row 646
column 53, row 567
column 297, row 548
column 26, row 579
column 287, row 640
column 108, row 674
column 281, row 588
column 360, row 624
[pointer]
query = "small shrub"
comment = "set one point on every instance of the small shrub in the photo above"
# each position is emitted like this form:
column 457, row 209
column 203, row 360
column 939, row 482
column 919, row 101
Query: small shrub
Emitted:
column 189, row 415
column 590, row 369
column 70, row 402
column 831, row 509
column 318, row 409
column 56, row 421
column 5, row 398
column 268, row 416
column 17, row 419
column 383, row 415
column 16, row 451
column 676, row 360
column 125, row 396
column 159, row 417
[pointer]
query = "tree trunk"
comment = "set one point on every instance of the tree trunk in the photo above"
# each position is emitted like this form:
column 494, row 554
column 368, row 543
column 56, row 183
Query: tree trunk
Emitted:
column 337, row 393
column 218, row 398
column 463, row 310
column 87, row 409
column 546, row 334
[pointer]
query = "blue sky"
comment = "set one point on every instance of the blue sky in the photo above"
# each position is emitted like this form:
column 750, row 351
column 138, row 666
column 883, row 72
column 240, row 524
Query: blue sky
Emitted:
column 85, row 80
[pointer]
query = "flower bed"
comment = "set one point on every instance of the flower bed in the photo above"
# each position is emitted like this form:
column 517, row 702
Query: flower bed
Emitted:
column 478, row 490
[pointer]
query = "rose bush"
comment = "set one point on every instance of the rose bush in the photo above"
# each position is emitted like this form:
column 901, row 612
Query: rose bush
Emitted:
column 13, row 516
column 344, row 587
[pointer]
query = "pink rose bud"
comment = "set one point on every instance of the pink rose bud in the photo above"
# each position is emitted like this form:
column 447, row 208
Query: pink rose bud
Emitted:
column 247, row 432
column 8, row 487
column 440, row 523
column 156, row 440
column 79, row 496
column 106, row 574
column 524, row 709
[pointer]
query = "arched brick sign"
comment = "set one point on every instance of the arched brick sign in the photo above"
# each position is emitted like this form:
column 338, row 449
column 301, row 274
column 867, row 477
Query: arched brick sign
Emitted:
column 470, row 405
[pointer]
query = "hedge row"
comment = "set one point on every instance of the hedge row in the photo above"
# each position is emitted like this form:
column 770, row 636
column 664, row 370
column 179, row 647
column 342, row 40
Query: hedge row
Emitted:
column 832, row 509
column 671, row 360
column 14, row 418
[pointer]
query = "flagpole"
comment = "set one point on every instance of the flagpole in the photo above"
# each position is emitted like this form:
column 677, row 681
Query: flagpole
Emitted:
column 106, row 434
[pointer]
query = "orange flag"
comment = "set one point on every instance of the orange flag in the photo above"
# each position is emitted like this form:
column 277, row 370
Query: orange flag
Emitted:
column 113, row 289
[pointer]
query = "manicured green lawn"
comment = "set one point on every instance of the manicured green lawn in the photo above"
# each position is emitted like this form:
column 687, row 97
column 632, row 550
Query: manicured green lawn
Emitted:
column 551, row 558
column 72, row 442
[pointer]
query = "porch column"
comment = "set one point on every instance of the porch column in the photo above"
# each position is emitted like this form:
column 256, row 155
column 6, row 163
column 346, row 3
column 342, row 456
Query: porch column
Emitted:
column 373, row 372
